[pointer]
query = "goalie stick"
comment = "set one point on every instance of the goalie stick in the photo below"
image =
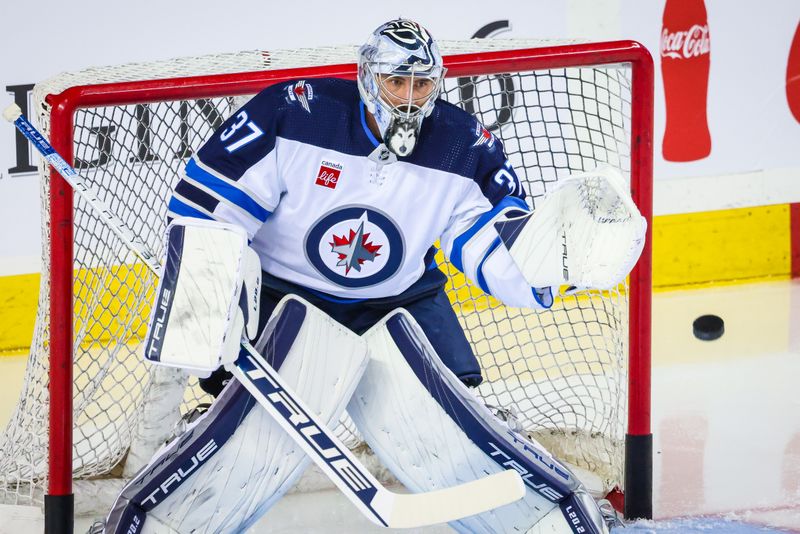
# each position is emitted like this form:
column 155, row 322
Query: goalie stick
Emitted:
column 377, row 503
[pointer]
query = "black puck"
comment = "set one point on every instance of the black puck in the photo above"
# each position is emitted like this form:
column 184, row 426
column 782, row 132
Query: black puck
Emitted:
column 708, row 327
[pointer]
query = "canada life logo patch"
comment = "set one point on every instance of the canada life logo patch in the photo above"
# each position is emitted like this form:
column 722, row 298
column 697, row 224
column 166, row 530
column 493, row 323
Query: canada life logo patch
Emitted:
column 355, row 247
column 328, row 174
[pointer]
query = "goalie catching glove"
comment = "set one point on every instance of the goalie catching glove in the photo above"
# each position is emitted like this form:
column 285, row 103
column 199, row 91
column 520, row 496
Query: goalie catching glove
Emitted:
column 586, row 233
column 207, row 298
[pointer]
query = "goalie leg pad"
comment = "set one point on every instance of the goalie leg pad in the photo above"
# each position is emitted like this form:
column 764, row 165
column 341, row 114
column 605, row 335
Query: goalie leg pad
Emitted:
column 431, row 432
column 235, row 461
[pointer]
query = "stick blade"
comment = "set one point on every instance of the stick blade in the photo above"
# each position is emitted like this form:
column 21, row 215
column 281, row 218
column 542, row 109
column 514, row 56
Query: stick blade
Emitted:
column 451, row 504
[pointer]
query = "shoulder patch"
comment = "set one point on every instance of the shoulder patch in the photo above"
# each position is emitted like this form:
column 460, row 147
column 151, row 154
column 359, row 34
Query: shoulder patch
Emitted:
column 483, row 137
column 300, row 92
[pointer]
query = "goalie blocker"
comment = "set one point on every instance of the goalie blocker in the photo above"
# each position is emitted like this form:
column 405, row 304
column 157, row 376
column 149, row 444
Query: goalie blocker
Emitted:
column 207, row 297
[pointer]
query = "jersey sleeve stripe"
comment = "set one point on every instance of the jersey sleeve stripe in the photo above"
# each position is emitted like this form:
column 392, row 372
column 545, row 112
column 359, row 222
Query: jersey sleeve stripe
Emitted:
column 232, row 194
column 233, row 183
column 481, row 277
column 180, row 209
column 211, row 201
column 202, row 198
column 483, row 220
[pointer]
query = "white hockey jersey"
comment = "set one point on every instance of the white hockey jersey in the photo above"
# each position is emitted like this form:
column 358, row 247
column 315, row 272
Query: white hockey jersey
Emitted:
column 328, row 207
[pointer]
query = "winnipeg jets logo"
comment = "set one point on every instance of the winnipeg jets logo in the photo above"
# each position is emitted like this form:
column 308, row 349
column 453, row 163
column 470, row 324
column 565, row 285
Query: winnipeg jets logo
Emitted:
column 412, row 37
column 301, row 92
column 407, row 34
column 353, row 250
column 355, row 246
column 484, row 137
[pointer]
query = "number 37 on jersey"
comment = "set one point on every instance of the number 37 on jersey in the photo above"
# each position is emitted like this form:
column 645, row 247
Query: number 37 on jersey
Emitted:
column 250, row 133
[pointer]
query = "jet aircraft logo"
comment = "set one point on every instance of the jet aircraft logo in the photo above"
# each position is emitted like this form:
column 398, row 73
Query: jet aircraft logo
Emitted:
column 302, row 93
column 355, row 249
column 484, row 137
column 355, row 246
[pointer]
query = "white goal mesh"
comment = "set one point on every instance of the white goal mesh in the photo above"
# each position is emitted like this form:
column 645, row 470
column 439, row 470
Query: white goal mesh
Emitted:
column 562, row 373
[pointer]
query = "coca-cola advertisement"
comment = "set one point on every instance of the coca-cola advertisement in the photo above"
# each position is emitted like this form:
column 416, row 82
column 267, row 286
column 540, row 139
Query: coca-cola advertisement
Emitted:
column 793, row 76
column 685, row 64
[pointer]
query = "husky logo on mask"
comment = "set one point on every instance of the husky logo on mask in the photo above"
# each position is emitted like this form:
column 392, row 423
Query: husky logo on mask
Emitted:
column 401, row 136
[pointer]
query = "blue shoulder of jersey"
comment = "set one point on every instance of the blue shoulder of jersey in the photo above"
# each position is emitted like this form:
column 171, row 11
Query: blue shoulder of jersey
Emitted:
column 319, row 112
column 325, row 113
column 454, row 141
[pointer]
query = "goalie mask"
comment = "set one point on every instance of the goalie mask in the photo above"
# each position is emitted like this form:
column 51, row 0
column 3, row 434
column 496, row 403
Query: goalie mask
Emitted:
column 400, row 76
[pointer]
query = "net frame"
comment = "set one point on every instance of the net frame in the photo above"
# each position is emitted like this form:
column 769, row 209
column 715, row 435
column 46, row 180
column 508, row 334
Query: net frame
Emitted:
column 65, row 104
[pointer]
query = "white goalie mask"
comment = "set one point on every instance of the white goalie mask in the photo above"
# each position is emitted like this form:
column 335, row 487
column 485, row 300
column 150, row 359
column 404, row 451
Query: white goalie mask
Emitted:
column 400, row 76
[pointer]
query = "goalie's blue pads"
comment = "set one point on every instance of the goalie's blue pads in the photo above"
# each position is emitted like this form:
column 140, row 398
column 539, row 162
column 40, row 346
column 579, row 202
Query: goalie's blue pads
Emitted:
column 431, row 432
column 477, row 251
column 235, row 461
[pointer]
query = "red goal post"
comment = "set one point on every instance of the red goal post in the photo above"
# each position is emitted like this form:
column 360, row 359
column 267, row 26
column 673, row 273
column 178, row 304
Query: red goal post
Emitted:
column 638, row 440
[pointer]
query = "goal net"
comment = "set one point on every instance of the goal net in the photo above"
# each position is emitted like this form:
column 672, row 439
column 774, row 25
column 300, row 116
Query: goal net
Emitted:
column 562, row 373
